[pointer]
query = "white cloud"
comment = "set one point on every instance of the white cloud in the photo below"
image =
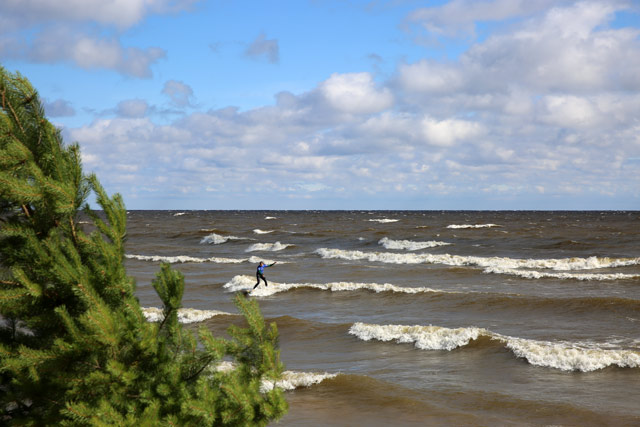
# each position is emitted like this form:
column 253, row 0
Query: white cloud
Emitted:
column 538, row 109
column 132, row 108
column 429, row 76
column 119, row 13
column 450, row 131
column 355, row 93
column 181, row 94
column 460, row 16
column 51, row 31
column 60, row 44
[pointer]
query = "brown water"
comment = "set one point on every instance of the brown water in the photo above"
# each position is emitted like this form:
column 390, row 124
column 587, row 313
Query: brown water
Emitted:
column 422, row 318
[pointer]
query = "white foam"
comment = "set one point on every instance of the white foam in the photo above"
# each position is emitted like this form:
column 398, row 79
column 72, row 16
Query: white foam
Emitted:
column 472, row 225
column 567, row 356
column 185, row 315
column 571, row 356
column 383, row 220
column 179, row 213
column 185, row 258
column 532, row 274
column 272, row 247
column 270, row 217
column 423, row 337
column 258, row 231
column 292, row 380
column 217, row 239
column 590, row 263
column 244, row 283
column 409, row 245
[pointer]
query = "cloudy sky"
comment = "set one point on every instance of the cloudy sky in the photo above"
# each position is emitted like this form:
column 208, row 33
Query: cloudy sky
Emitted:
column 342, row 104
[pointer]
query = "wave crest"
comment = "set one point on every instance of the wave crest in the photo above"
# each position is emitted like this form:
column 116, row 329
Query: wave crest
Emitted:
column 271, row 247
column 178, row 259
column 409, row 245
column 185, row 315
column 217, row 239
column 244, row 283
column 566, row 356
column 500, row 265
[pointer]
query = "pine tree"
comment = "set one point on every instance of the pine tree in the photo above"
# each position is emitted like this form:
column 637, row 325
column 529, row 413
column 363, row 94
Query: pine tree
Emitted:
column 75, row 348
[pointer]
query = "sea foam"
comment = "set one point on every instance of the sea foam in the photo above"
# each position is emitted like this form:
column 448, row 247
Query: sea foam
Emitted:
column 244, row 283
column 532, row 274
column 383, row 220
column 272, row 247
column 292, row 380
column 566, row 356
column 217, row 239
column 178, row 259
column 409, row 245
column 185, row 315
column 489, row 263
column 258, row 231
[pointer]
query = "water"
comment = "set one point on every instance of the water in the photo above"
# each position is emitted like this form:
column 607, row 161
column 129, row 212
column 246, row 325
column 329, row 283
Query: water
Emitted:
column 414, row 318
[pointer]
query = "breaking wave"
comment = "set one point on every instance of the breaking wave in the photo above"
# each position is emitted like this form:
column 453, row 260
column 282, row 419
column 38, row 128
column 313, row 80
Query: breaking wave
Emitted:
column 292, row 380
column 566, row 356
column 532, row 274
column 498, row 265
column 383, row 220
column 272, row 247
column 179, row 259
column 244, row 283
column 258, row 231
column 216, row 239
column 185, row 315
column 409, row 245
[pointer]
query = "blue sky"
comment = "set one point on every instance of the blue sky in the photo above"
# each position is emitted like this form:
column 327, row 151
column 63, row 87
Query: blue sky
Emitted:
column 197, row 104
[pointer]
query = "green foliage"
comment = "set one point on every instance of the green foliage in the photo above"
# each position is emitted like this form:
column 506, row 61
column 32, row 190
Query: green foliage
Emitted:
column 75, row 348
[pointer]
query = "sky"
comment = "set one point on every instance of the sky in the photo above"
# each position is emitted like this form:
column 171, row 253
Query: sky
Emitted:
column 342, row 104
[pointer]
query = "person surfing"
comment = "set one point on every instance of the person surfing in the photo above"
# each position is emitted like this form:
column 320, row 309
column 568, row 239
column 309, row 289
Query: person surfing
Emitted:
column 260, row 273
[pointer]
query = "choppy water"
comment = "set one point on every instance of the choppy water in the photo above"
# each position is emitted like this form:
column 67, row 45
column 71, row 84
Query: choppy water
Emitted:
column 414, row 318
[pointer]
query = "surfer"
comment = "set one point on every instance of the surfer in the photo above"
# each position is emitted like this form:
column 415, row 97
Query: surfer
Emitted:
column 260, row 273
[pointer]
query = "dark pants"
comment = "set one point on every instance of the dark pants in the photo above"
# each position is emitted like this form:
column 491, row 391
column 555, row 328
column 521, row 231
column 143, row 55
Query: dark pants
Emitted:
column 260, row 276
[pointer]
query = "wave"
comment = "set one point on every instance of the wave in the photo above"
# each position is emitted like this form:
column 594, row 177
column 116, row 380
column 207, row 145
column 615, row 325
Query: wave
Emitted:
column 409, row 245
column 473, row 225
column 258, row 231
column 185, row 315
column 489, row 263
column 178, row 259
column 244, row 283
column 217, row 239
column 272, row 247
column 292, row 380
column 383, row 220
column 531, row 274
column 566, row 356
column 270, row 217
column 179, row 213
